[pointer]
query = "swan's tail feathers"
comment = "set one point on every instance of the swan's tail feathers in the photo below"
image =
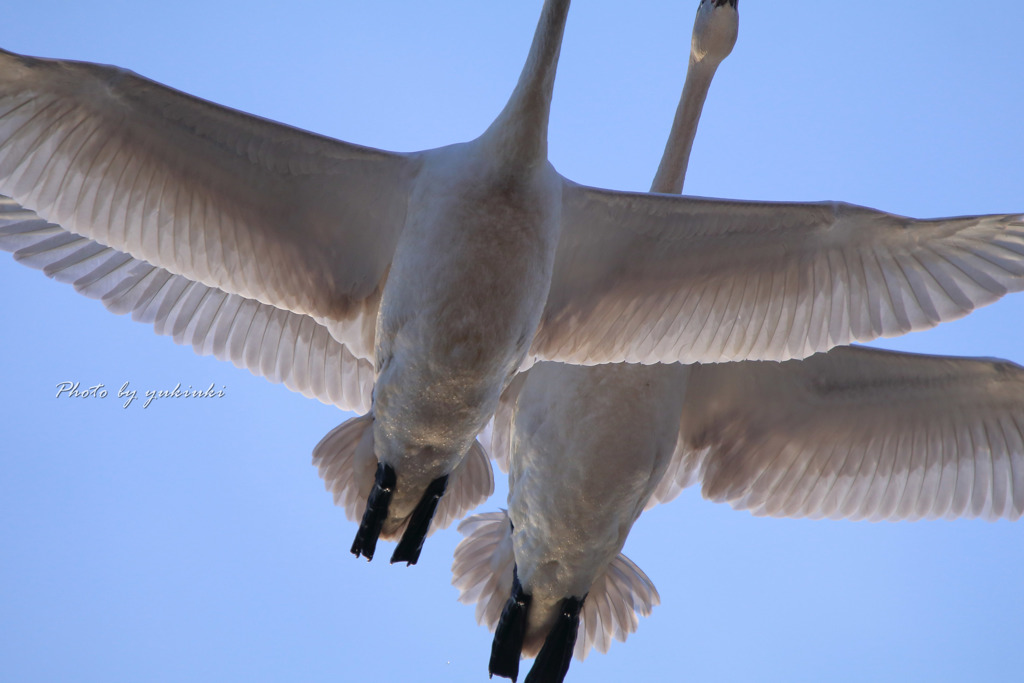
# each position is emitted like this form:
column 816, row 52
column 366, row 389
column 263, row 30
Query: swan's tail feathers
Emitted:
column 617, row 599
column 552, row 662
column 447, row 499
column 507, row 647
column 411, row 544
column 362, row 486
column 347, row 464
column 376, row 512
column 469, row 485
column 484, row 565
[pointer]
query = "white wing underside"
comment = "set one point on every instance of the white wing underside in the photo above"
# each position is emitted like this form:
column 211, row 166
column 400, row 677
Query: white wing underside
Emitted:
column 857, row 434
column 282, row 346
column 661, row 278
column 227, row 201
column 309, row 225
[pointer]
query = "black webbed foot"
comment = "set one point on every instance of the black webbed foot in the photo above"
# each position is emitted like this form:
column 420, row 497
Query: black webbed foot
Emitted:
column 507, row 646
column 409, row 547
column 552, row 662
column 376, row 512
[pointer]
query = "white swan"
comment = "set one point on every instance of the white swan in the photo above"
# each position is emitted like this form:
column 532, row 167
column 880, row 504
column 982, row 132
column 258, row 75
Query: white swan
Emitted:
column 852, row 433
column 105, row 483
column 193, row 215
column 585, row 449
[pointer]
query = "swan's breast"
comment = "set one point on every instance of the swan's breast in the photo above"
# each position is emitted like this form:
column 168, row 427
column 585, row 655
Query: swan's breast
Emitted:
column 467, row 286
column 590, row 446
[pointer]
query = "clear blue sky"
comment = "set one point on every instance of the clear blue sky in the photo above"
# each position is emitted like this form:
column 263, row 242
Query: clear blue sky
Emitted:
column 194, row 541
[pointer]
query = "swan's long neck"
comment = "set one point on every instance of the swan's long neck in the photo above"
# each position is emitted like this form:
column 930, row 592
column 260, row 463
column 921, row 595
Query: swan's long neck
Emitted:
column 521, row 130
column 714, row 34
column 672, row 169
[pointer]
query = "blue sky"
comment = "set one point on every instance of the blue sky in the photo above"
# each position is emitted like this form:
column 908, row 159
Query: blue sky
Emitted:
column 194, row 540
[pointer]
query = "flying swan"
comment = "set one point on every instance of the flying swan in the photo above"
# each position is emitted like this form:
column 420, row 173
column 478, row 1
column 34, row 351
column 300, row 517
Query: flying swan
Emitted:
column 433, row 277
column 585, row 448
column 852, row 433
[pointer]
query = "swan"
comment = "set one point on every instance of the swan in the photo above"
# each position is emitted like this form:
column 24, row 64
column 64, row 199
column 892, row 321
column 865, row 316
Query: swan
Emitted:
column 585, row 448
column 851, row 433
column 191, row 215
column 253, row 517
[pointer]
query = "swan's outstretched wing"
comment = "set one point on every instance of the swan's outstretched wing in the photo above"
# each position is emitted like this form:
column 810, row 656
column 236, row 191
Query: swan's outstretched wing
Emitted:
column 280, row 345
column 659, row 278
column 861, row 434
column 254, row 208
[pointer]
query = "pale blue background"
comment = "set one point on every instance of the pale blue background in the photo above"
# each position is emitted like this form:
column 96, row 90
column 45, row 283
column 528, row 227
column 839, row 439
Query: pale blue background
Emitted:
column 194, row 541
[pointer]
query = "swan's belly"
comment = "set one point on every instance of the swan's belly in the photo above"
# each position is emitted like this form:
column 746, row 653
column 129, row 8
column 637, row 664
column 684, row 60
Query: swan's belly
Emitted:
column 591, row 446
column 463, row 300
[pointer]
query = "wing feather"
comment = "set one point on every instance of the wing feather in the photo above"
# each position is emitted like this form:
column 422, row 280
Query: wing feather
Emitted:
column 230, row 201
column 660, row 278
column 280, row 345
column 856, row 433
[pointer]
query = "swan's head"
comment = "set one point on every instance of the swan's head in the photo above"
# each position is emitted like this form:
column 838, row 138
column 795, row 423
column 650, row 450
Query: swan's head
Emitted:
column 715, row 30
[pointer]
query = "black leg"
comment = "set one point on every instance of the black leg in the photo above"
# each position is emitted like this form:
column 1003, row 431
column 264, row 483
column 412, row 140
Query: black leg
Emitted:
column 507, row 647
column 409, row 547
column 552, row 662
column 376, row 512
